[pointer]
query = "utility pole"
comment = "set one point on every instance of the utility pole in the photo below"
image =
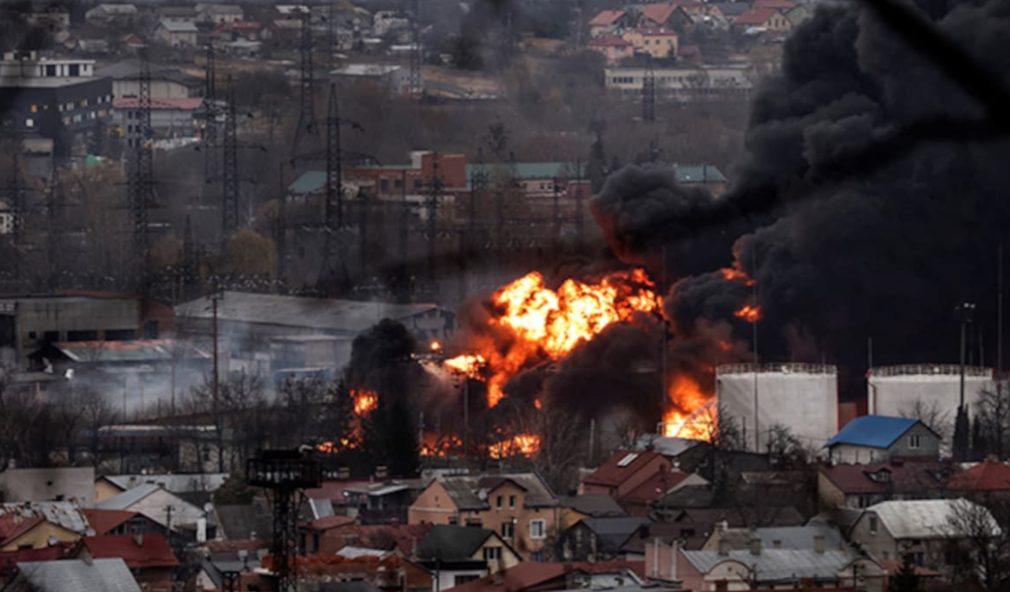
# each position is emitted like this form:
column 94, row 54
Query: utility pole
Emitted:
column 282, row 228
column 307, row 84
column 190, row 271
column 210, row 163
column 649, row 92
column 965, row 315
column 230, row 194
column 217, row 385
column 334, row 211
column 141, row 180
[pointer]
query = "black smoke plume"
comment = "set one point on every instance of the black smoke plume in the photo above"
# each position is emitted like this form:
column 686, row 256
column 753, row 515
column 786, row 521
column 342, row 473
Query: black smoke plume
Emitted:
column 870, row 201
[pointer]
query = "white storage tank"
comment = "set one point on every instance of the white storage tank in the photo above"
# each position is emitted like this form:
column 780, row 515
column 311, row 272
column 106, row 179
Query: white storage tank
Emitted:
column 801, row 397
column 900, row 391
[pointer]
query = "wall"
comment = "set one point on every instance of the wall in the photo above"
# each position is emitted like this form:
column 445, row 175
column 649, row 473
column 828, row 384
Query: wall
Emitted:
column 160, row 89
column 156, row 507
column 879, row 545
column 433, row 506
column 38, row 537
column 105, row 490
column 854, row 455
column 58, row 484
column 508, row 558
column 445, row 578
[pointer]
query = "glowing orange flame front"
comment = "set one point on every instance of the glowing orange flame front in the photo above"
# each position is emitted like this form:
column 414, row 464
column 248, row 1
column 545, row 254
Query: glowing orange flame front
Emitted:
column 365, row 401
column 466, row 364
column 546, row 324
column 519, row 445
column 690, row 415
column 749, row 313
column 735, row 274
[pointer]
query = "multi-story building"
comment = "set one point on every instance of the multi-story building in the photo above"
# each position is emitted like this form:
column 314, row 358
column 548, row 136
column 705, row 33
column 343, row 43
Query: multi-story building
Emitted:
column 688, row 84
column 170, row 118
column 30, row 85
column 660, row 43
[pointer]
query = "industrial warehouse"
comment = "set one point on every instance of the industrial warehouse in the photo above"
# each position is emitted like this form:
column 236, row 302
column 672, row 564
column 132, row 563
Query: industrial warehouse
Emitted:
column 502, row 296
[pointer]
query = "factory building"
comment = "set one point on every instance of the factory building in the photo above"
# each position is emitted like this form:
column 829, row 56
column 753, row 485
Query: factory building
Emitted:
column 800, row 397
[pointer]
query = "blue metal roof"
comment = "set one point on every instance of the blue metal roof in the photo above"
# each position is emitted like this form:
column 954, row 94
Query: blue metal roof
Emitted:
column 875, row 431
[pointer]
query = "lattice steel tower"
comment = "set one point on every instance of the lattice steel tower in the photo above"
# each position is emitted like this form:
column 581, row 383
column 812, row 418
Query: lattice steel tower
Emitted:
column 307, row 81
column 649, row 92
column 230, row 194
column 141, row 180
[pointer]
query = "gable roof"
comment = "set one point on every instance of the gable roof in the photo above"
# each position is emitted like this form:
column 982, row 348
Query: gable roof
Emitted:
column 656, row 486
column 731, row 9
column 595, row 505
column 519, row 577
column 607, row 17
column 64, row 514
column 13, row 527
column 178, row 27
column 10, row 559
column 612, row 533
column 100, row 575
column 924, row 519
column 176, row 483
column 620, row 466
column 874, row 431
column 985, row 476
column 129, row 497
column 102, row 521
column 465, row 491
column 756, row 16
column 660, row 12
column 906, row 477
column 452, row 543
column 138, row 551
column 777, row 564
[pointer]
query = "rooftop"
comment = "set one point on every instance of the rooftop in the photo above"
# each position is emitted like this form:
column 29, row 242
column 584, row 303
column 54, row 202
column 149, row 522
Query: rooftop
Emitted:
column 176, row 483
column 178, row 27
column 901, row 477
column 620, row 466
column 172, row 104
column 100, row 575
column 606, row 18
column 777, row 564
column 452, row 543
column 985, row 476
column 756, row 16
column 873, row 431
column 465, row 491
column 924, row 519
column 157, row 350
column 138, row 551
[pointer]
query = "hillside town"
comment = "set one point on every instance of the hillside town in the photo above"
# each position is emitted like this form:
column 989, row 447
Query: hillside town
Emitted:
column 503, row 296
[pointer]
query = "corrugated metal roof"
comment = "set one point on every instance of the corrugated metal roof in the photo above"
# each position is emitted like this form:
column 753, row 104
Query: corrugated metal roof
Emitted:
column 174, row 483
column 924, row 519
column 65, row 514
column 875, row 431
column 125, row 500
column 100, row 575
column 129, row 351
column 777, row 564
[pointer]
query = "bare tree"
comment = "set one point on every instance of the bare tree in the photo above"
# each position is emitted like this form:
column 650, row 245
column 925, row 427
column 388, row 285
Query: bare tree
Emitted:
column 992, row 419
column 932, row 415
column 979, row 552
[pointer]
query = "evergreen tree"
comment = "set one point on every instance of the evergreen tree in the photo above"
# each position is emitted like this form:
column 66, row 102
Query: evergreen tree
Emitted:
column 962, row 435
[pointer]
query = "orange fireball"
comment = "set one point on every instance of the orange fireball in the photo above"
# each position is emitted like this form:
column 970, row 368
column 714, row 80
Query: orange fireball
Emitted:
column 690, row 415
column 365, row 401
column 519, row 445
column 751, row 314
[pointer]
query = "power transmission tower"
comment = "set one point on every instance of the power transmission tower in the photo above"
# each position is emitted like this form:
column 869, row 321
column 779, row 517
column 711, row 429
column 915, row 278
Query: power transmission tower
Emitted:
column 575, row 25
column 230, row 194
column 431, row 207
column 580, row 222
column 141, row 180
column 55, row 206
column 210, row 131
column 282, row 229
column 307, row 81
column 190, row 270
column 416, row 89
column 649, row 92
column 334, row 211
column 18, row 207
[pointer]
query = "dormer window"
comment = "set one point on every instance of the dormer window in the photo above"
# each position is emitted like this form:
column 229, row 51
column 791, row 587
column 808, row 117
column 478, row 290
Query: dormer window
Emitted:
column 881, row 476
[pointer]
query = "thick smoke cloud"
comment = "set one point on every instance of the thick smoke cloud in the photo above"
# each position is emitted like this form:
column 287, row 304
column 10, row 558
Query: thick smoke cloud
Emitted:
column 855, row 209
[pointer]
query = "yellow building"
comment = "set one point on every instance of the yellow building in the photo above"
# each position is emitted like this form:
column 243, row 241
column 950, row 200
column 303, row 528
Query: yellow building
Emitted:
column 19, row 532
column 659, row 42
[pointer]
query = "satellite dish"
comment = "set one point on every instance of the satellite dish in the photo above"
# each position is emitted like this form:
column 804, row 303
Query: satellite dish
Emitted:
column 482, row 494
column 208, row 507
column 69, row 374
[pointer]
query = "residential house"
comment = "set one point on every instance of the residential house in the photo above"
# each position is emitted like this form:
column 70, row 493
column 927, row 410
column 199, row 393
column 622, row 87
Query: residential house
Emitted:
column 987, row 479
column 383, row 501
column 728, row 10
column 219, row 14
column 165, row 508
column 250, row 524
column 233, row 31
column 595, row 539
column 332, row 534
column 673, row 14
column 799, row 14
column 765, row 20
column 641, row 500
column 759, row 568
column 459, row 554
column 610, row 22
column 148, row 557
column 177, row 14
column 176, row 33
column 106, row 15
column 10, row 559
column 590, row 505
column 51, row 17
column 100, row 575
column 623, row 472
column 623, row 576
column 367, row 572
column 36, row 525
column 925, row 529
column 110, row 486
column 613, row 48
column 336, row 493
column 659, row 43
column 519, row 506
column 170, row 118
column 861, row 486
column 810, row 537
column 879, row 438
column 109, row 522
column 694, row 526
column 50, row 484
column 393, row 78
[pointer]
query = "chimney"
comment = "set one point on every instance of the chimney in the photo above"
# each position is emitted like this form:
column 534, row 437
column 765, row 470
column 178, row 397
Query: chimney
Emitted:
column 755, row 546
column 381, row 472
column 723, row 546
column 819, row 543
column 139, row 539
column 675, row 547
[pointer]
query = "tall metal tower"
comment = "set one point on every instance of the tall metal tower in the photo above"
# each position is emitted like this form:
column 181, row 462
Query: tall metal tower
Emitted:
column 334, row 211
column 286, row 473
column 307, row 81
column 416, row 89
column 16, row 199
column 431, row 206
column 210, row 131
column 141, row 180
column 649, row 92
column 55, row 206
column 556, row 212
column 190, row 271
column 580, row 220
column 478, row 185
column 230, row 195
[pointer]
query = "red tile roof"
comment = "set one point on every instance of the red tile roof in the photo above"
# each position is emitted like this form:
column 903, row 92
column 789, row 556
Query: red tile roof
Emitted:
column 13, row 526
column 138, row 551
column 612, row 472
column 777, row 4
column 102, row 521
column 660, row 12
column 985, row 476
column 330, row 522
column 377, row 536
column 10, row 559
column 176, row 103
column 654, row 487
column 756, row 16
column 906, row 477
column 606, row 18
column 333, row 490
column 608, row 41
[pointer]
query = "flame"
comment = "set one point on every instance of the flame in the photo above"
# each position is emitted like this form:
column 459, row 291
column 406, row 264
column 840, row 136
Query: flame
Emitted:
column 435, row 346
column 365, row 401
column 691, row 415
column 546, row 324
column 519, row 445
column 751, row 314
column 335, row 447
column 735, row 274
column 538, row 404
column 466, row 364
column 433, row 445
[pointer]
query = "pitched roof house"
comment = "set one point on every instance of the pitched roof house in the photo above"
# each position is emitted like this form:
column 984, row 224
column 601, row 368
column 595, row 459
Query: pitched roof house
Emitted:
column 100, row 575
column 147, row 555
column 158, row 504
column 877, row 438
column 861, row 486
column 767, row 19
column 624, row 472
column 458, row 553
column 594, row 539
column 986, row 478
column 608, row 22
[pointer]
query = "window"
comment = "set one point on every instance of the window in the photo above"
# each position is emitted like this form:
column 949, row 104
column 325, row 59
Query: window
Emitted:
column 492, row 553
column 51, row 70
column 498, row 501
column 398, row 183
column 34, row 109
column 384, row 185
column 512, row 502
column 507, row 530
column 873, row 525
column 537, row 557
column 453, row 521
column 914, row 441
column 418, row 183
column 537, row 529
column 75, row 69
column 460, row 580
